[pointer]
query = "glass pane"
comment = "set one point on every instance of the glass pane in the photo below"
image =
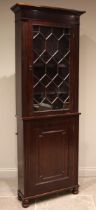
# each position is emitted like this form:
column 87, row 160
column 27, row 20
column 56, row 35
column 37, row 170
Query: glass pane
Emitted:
column 51, row 63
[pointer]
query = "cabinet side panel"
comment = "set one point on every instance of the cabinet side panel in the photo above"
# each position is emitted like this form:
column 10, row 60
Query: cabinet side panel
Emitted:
column 76, row 63
column 20, row 150
column 74, row 81
column 18, row 68
column 76, row 149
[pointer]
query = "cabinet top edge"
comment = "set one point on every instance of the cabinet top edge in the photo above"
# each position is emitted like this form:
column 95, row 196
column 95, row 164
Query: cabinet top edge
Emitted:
column 19, row 6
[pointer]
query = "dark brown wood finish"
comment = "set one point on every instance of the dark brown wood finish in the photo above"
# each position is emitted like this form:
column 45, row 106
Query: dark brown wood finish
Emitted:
column 48, row 139
column 51, row 152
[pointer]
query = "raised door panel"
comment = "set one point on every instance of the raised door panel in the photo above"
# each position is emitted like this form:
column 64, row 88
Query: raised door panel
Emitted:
column 52, row 156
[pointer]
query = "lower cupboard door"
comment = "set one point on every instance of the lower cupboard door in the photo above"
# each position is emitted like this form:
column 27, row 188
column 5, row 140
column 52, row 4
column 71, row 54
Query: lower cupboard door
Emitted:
column 53, row 159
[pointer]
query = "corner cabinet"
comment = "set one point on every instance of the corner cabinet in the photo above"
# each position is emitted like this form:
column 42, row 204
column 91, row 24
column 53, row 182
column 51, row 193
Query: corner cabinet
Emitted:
column 47, row 62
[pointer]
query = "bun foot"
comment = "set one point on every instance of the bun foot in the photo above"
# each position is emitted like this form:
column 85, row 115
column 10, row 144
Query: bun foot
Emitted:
column 25, row 203
column 75, row 190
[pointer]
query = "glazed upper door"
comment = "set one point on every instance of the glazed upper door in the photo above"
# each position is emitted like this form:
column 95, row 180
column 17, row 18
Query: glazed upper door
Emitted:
column 51, row 68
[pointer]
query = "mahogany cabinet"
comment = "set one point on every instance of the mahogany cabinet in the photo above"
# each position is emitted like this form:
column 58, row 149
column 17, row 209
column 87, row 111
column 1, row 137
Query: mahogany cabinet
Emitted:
column 47, row 64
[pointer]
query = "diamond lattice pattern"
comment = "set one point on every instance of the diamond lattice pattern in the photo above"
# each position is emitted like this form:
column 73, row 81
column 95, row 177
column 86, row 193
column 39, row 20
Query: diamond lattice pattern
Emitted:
column 51, row 62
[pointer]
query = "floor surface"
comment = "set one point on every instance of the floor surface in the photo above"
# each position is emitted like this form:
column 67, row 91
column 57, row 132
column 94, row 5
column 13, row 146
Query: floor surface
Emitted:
column 85, row 200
